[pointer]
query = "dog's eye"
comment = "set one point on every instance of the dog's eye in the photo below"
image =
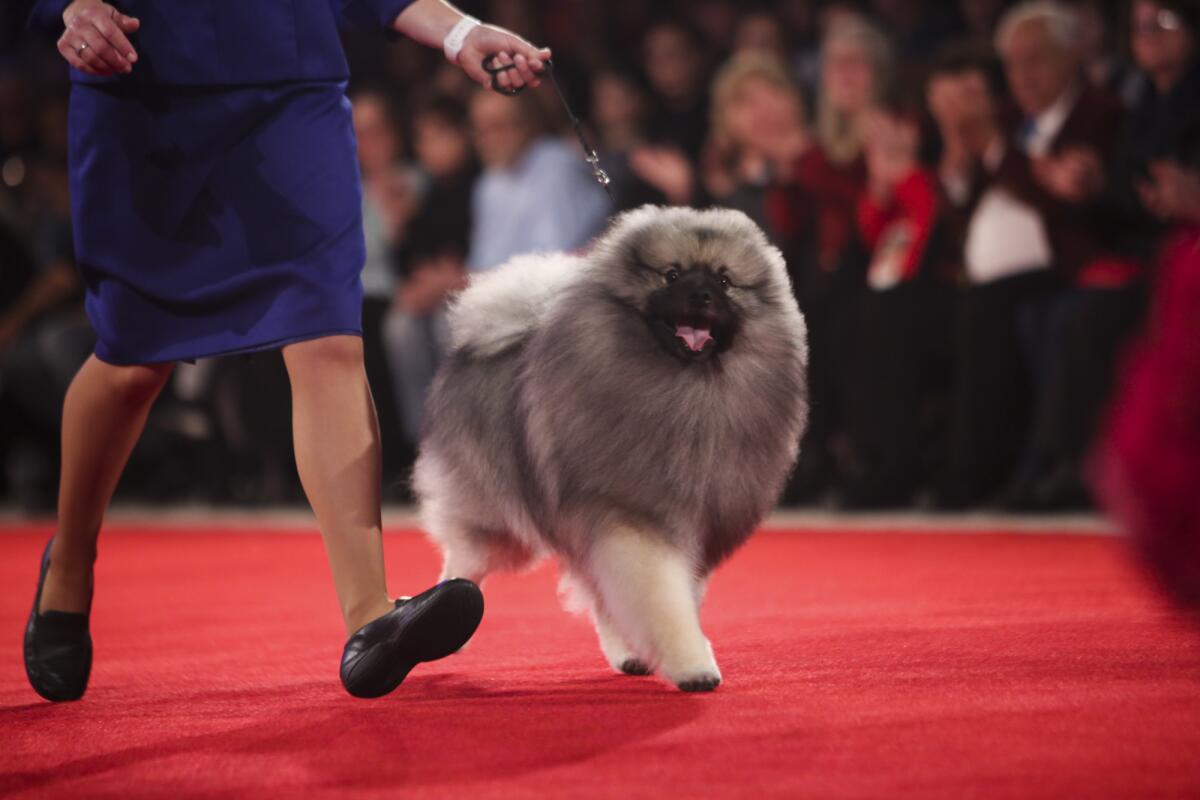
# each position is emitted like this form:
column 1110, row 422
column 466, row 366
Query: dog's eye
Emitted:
column 672, row 275
column 725, row 282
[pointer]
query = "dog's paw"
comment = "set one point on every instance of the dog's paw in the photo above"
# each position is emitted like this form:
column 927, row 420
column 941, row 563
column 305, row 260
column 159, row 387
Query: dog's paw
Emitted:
column 704, row 682
column 632, row 666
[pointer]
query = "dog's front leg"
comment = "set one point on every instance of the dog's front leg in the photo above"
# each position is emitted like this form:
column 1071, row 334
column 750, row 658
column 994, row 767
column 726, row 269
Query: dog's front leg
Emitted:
column 648, row 588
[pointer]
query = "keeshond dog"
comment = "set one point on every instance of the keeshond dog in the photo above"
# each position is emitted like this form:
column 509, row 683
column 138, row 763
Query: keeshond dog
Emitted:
column 634, row 411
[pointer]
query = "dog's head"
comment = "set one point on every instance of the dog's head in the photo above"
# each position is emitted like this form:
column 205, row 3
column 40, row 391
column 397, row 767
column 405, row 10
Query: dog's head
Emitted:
column 698, row 278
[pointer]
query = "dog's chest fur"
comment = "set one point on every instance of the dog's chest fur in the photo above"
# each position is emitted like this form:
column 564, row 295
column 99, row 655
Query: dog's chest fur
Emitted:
column 695, row 451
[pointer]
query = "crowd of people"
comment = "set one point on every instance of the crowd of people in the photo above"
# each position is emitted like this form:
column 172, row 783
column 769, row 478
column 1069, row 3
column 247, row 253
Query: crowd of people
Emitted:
column 970, row 196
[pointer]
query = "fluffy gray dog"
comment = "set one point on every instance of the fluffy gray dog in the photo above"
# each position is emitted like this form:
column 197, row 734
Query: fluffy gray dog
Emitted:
column 634, row 411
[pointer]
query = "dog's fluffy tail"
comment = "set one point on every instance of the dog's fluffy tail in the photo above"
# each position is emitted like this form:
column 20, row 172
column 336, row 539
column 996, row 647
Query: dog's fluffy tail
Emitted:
column 502, row 306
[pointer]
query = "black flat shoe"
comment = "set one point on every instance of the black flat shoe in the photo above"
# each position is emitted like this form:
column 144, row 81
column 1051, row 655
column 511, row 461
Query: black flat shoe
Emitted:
column 432, row 625
column 58, row 648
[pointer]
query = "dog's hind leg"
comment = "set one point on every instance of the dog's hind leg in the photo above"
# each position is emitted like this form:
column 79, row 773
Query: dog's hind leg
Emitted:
column 465, row 554
column 648, row 589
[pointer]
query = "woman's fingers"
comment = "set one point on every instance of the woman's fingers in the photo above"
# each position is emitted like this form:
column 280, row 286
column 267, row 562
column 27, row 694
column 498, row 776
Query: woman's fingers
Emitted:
column 99, row 52
column 82, row 53
column 68, row 53
column 526, row 70
column 505, row 79
column 116, row 39
column 128, row 24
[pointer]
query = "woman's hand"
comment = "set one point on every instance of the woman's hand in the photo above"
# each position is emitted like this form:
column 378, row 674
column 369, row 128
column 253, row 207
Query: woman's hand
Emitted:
column 508, row 48
column 95, row 39
column 430, row 21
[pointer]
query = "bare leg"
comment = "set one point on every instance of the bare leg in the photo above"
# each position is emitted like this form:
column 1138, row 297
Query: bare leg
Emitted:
column 105, row 410
column 338, row 456
column 648, row 589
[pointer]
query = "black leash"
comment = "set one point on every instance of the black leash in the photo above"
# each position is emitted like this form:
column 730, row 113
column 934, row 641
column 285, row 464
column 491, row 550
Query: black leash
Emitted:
column 589, row 153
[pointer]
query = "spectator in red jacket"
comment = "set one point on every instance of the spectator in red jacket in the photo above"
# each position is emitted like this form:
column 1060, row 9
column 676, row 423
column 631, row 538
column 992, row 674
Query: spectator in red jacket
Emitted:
column 903, row 334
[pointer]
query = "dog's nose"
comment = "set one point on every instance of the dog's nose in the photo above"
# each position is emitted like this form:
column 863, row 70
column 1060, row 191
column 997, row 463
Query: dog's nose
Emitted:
column 702, row 298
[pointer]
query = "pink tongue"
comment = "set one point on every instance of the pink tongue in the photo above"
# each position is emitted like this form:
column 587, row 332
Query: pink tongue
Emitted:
column 694, row 338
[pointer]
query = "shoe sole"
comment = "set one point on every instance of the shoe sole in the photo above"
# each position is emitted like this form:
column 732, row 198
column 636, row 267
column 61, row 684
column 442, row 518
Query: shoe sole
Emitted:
column 436, row 629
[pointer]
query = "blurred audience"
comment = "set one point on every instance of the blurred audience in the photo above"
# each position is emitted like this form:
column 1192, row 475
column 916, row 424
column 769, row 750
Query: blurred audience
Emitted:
column 432, row 256
column 1023, row 186
column 392, row 194
column 902, row 332
column 44, row 335
column 812, row 206
column 675, row 65
column 535, row 193
column 972, row 197
column 759, row 130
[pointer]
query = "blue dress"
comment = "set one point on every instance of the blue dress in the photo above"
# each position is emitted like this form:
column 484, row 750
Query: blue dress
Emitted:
column 215, row 190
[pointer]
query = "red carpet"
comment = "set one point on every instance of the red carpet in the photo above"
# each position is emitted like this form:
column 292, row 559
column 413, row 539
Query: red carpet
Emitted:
column 874, row 665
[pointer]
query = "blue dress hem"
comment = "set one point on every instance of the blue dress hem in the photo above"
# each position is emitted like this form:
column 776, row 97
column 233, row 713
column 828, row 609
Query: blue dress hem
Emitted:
column 102, row 352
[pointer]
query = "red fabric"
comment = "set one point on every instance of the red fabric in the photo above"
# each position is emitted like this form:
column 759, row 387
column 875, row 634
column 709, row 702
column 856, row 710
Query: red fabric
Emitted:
column 1109, row 273
column 818, row 199
column 1148, row 470
column 915, row 202
column 897, row 665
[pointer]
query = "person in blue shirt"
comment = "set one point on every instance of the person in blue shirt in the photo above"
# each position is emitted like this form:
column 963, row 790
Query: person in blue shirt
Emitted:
column 217, row 209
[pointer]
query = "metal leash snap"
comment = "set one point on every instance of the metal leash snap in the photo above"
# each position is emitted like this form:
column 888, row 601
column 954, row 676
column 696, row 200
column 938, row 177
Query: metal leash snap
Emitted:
column 495, row 71
column 589, row 152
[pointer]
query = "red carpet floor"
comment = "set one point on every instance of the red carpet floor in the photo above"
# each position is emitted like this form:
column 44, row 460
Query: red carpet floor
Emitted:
column 868, row 665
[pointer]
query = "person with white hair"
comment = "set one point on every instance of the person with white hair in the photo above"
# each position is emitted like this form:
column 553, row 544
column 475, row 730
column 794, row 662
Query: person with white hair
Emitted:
column 1024, row 194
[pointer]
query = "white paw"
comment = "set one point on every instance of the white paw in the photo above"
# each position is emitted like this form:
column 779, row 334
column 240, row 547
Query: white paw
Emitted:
column 701, row 676
column 699, row 682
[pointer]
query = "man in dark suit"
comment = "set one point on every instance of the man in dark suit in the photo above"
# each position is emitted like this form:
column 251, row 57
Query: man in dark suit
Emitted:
column 1021, row 182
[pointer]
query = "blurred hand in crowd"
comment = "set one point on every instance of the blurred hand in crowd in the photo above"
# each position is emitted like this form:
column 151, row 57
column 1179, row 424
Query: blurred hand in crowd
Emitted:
column 665, row 168
column 430, row 284
column 1075, row 175
column 1171, row 192
column 965, row 114
column 891, row 145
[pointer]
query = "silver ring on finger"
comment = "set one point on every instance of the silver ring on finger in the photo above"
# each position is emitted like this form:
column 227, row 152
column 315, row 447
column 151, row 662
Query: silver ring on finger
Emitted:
column 79, row 50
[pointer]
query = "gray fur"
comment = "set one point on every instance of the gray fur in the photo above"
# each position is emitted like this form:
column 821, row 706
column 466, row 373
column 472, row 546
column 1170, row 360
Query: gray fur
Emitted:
column 573, row 420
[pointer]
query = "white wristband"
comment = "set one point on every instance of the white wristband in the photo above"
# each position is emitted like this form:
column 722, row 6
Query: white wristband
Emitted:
column 457, row 35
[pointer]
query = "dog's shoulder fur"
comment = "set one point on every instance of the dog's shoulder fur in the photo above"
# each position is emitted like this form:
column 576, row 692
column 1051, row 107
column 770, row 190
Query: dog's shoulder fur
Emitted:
column 502, row 307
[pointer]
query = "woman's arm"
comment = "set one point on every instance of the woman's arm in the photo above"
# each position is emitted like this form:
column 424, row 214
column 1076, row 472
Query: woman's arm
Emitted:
column 429, row 21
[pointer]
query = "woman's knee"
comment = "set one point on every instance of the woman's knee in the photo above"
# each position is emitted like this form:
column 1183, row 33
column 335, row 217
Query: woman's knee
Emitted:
column 138, row 383
column 329, row 353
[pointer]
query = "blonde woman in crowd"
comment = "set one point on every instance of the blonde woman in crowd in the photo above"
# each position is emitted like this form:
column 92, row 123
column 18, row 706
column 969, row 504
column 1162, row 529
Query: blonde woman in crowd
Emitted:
column 811, row 207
